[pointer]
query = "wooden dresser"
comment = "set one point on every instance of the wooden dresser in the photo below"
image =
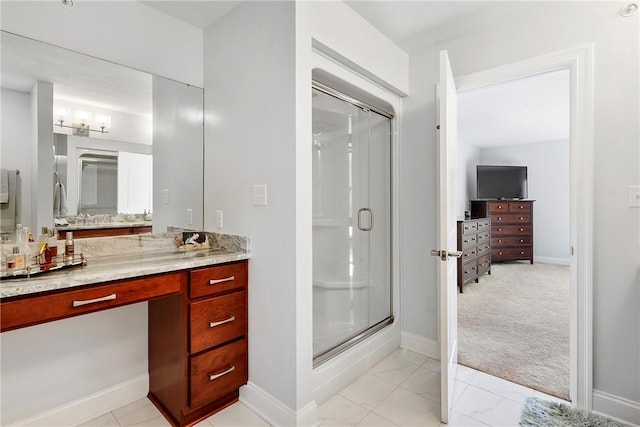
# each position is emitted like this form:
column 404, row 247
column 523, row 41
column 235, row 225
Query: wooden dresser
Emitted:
column 511, row 227
column 474, row 240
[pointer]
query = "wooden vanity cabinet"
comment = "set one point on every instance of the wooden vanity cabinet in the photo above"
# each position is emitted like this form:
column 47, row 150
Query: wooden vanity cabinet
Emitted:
column 198, row 355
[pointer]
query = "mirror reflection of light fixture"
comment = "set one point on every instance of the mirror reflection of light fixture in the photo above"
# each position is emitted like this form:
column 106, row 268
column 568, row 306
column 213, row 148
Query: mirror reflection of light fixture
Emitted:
column 81, row 124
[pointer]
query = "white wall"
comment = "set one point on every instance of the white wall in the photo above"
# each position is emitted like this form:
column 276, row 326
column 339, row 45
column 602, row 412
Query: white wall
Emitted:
column 548, row 183
column 250, row 139
column 258, row 62
column 125, row 32
column 16, row 138
column 550, row 27
column 134, row 35
column 468, row 155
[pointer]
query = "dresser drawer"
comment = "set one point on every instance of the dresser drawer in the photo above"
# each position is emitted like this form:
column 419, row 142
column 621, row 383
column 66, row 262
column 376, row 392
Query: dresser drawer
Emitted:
column 34, row 310
column 510, row 229
column 519, row 207
column 218, row 372
column 484, row 224
column 483, row 249
column 483, row 236
column 468, row 241
column 511, row 241
column 469, row 227
column 498, row 207
column 217, row 320
column 211, row 280
column 469, row 253
column 484, row 263
column 469, row 270
column 511, row 219
column 510, row 253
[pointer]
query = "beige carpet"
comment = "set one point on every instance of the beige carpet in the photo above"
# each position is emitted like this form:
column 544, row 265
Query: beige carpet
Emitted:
column 514, row 324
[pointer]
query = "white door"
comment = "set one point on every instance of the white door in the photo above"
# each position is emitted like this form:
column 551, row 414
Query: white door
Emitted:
column 447, row 242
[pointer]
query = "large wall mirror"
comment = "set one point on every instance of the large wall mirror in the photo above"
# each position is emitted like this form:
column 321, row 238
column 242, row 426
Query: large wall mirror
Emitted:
column 91, row 143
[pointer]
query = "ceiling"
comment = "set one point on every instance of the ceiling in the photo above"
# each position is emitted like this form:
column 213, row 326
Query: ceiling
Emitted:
column 77, row 78
column 524, row 111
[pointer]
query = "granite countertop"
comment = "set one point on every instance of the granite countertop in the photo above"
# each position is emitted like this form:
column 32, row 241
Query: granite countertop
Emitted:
column 118, row 224
column 125, row 257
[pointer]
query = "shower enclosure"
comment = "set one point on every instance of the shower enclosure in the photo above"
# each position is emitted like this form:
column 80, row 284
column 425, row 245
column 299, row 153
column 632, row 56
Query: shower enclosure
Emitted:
column 351, row 221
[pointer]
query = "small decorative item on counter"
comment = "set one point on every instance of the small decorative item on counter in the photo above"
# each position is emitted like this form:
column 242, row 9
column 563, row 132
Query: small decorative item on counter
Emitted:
column 44, row 256
column 16, row 260
column 194, row 240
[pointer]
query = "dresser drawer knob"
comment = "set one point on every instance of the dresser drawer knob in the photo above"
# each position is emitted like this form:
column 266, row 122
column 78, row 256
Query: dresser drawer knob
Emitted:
column 93, row 301
column 226, row 279
column 499, row 229
column 223, row 373
column 521, row 240
column 499, row 240
column 499, row 218
column 522, row 229
column 521, row 252
column 521, row 218
column 222, row 322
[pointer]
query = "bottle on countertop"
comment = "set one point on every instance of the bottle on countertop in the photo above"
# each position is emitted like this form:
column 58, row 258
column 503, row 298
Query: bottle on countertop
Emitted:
column 69, row 247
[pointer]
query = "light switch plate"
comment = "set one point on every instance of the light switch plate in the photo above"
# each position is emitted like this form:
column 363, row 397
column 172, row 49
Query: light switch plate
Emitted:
column 634, row 196
column 219, row 218
column 260, row 195
column 165, row 196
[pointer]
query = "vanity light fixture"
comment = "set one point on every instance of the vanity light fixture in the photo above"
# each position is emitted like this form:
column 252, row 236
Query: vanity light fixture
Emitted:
column 80, row 124
column 629, row 10
column 80, row 129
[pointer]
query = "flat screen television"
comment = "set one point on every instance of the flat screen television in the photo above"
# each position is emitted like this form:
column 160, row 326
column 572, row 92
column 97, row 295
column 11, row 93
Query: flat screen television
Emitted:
column 501, row 182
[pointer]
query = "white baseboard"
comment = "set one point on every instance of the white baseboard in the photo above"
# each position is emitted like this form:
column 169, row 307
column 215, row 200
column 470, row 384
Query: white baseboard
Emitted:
column 274, row 411
column 549, row 260
column 91, row 406
column 609, row 405
column 420, row 344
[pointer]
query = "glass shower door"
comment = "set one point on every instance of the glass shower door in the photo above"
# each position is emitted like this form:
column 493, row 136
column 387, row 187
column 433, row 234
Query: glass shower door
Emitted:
column 351, row 223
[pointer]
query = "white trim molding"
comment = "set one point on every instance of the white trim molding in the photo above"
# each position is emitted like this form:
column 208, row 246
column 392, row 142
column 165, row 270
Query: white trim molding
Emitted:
column 274, row 411
column 420, row 344
column 621, row 409
column 91, row 406
column 579, row 61
column 549, row 260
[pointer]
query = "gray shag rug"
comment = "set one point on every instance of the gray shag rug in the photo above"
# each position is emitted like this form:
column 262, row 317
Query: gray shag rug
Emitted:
column 514, row 324
column 538, row 412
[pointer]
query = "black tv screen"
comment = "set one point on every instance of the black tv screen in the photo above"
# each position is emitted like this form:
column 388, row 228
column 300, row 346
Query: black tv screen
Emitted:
column 501, row 182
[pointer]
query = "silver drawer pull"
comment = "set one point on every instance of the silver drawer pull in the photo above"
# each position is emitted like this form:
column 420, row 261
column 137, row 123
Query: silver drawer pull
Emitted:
column 91, row 301
column 228, row 371
column 226, row 279
column 222, row 322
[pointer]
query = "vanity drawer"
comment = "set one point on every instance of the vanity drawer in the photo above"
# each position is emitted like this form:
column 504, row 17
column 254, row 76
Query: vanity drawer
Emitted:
column 218, row 320
column 39, row 309
column 211, row 280
column 218, row 372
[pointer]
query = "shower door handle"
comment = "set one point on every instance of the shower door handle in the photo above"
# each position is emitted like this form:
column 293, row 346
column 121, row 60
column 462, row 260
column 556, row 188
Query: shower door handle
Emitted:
column 360, row 227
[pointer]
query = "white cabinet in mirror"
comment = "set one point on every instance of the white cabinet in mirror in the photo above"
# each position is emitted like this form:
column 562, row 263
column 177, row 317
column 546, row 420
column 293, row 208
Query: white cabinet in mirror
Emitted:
column 107, row 144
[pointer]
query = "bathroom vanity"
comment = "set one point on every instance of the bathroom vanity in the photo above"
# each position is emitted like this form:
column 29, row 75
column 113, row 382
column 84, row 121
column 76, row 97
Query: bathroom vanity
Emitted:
column 197, row 312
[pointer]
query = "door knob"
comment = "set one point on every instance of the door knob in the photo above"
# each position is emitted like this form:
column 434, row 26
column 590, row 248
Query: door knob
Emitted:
column 444, row 254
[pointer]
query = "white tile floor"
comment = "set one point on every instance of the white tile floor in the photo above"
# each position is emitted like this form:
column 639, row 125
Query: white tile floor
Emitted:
column 402, row 390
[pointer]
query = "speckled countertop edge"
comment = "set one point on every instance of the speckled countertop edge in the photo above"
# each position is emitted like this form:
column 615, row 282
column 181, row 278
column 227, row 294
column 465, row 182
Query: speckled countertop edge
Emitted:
column 126, row 257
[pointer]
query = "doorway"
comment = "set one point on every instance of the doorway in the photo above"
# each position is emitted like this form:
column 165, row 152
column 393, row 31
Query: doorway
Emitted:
column 579, row 62
column 514, row 322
